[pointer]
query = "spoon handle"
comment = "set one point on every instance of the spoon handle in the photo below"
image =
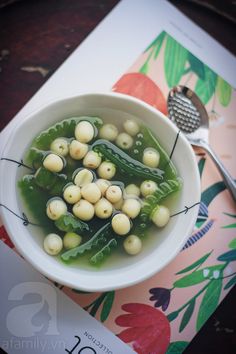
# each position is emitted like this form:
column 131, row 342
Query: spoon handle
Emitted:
column 228, row 180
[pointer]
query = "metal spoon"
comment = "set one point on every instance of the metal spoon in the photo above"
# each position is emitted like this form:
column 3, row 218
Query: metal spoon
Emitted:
column 189, row 114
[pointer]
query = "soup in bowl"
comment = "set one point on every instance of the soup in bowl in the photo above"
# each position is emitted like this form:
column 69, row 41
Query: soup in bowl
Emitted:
column 102, row 186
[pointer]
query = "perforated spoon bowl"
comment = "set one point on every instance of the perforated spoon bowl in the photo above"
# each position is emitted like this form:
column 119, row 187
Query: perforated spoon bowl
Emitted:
column 189, row 114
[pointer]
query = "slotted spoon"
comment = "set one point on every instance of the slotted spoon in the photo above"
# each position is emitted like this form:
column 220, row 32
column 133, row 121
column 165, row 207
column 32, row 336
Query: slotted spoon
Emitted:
column 189, row 114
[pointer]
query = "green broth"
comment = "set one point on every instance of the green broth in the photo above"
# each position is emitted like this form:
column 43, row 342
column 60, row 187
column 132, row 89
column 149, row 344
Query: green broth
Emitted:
column 37, row 189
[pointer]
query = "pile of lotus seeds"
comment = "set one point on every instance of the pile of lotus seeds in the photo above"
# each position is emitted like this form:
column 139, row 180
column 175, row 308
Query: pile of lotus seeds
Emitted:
column 92, row 192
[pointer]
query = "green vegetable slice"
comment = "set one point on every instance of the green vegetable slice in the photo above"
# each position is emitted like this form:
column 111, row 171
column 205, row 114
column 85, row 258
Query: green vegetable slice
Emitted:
column 104, row 251
column 126, row 164
column 36, row 157
column 165, row 163
column 50, row 181
column 100, row 237
column 63, row 129
column 45, row 179
column 164, row 190
column 36, row 200
column 143, row 221
column 69, row 223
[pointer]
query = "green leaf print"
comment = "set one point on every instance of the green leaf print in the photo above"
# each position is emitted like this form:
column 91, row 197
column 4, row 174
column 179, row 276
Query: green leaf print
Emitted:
column 211, row 192
column 230, row 226
column 107, row 305
column 231, row 283
column 155, row 47
column 231, row 215
column 81, row 291
column 197, row 277
column 156, row 43
column 196, row 66
column 187, row 315
column 177, row 347
column 232, row 243
column 201, row 165
column 172, row 316
column 145, row 67
column 205, row 88
column 175, row 59
column 106, row 301
column 209, row 302
column 95, row 305
column 229, row 256
column 223, row 91
column 199, row 262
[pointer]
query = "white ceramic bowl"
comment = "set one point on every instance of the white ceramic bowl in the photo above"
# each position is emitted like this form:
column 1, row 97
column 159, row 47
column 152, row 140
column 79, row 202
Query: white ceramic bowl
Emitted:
column 158, row 251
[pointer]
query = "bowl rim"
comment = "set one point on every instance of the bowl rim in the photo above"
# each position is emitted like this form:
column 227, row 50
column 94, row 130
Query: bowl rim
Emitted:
column 142, row 276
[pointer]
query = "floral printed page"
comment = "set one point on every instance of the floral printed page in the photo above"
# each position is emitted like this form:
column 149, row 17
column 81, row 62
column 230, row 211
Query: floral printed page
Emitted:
column 163, row 313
